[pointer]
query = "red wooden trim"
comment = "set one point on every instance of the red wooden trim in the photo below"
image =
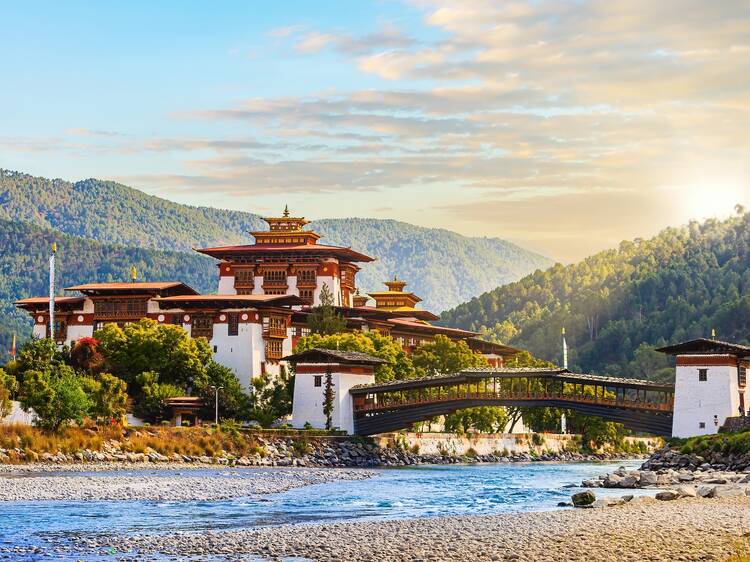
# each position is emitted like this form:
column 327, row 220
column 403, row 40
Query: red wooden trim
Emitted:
column 706, row 360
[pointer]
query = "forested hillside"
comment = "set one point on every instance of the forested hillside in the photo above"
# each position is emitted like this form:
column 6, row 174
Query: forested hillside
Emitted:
column 443, row 267
column 23, row 269
column 618, row 304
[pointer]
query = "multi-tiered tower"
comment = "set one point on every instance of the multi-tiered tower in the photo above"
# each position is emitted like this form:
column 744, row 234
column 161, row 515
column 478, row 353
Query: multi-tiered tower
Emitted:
column 287, row 260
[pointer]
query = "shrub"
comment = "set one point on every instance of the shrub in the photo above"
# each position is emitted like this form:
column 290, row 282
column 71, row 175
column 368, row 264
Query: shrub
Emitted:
column 471, row 453
column 57, row 397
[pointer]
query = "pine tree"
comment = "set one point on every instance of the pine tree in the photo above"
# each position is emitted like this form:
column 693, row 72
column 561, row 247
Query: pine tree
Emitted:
column 324, row 319
column 329, row 395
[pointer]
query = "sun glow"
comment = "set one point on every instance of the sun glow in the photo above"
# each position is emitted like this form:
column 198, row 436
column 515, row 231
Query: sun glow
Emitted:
column 712, row 200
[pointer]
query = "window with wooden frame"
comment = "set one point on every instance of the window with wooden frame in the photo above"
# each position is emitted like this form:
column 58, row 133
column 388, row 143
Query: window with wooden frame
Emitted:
column 307, row 295
column 274, row 277
column 742, row 375
column 318, row 380
column 702, row 375
column 306, row 277
column 244, row 278
column 203, row 326
column 274, row 349
column 233, row 323
column 120, row 308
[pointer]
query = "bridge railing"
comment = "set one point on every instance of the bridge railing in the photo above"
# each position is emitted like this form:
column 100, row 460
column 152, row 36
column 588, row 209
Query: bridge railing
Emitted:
column 381, row 402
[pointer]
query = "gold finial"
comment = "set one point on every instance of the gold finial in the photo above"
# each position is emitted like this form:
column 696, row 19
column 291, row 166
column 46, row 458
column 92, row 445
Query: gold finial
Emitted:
column 713, row 332
column 286, row 211
column 563, row 330
column 54, row 247
column 133, row 274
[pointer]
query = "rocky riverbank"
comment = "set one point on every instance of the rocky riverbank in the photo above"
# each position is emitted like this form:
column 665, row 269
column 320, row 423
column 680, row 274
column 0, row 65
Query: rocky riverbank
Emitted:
column 283, row 452
column 184, row 485
column 642, row 530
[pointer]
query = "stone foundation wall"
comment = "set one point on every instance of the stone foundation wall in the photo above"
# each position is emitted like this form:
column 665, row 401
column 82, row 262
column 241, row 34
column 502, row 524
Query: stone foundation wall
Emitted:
column 734, row 424
column 488, row 444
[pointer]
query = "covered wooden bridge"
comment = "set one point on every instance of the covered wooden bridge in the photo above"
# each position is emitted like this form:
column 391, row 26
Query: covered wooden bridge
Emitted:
column 637, row 404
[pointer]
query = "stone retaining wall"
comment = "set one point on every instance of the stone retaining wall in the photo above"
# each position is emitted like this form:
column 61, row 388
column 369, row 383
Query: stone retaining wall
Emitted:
column 488, row 444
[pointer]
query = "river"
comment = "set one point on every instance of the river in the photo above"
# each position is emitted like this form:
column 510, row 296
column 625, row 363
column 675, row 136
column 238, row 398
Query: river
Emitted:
column 423, row 491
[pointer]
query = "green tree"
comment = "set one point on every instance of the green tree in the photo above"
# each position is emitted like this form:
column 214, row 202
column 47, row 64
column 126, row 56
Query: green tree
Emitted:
column 399, row 366
column 443, row 356
column 272, row 397
column 147, row 346
column 484, row 419
column 8, row 386
column 323, row 319
column 56, row 396
column 150, row 405
column 329, row 395
column 234, row 403
column 108, row 396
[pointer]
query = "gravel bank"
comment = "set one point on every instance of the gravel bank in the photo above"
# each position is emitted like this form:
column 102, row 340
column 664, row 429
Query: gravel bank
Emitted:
column 642, row 530
column 163, row 486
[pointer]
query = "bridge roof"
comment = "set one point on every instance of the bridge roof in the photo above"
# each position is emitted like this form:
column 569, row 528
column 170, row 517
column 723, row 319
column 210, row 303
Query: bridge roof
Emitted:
column 521, row 372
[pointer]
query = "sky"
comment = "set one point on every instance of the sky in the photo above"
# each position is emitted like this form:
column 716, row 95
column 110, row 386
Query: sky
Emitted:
column 563, row 126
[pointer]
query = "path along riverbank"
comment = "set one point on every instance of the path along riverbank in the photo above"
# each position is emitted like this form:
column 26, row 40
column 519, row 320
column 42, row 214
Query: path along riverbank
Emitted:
column 643, row 529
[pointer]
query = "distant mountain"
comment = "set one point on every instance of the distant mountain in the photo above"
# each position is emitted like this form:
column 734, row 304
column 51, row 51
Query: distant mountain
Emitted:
column 443, row 267
column 23, row 268
column 618, row 304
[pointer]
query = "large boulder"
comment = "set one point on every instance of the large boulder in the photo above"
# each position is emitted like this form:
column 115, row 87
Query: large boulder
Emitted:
column 582, row 499
column 628, row 482
column 686, row 491
column 667, row 495
column 727, row 492
column 648, row 478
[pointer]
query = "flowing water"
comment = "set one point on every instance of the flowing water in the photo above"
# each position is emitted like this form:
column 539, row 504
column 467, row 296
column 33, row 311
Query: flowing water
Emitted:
column 423, row 491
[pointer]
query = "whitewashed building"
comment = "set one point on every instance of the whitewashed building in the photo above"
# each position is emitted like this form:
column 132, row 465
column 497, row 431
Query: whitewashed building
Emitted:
column 710, row 382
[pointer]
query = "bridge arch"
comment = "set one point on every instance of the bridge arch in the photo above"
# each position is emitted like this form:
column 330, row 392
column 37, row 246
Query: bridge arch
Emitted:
column 639, row 405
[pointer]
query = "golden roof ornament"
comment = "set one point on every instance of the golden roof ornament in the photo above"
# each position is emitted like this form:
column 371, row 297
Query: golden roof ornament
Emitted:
column 286, row 211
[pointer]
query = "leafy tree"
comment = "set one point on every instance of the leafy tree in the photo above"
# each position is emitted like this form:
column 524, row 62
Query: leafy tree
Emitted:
column 86, row 357
column 484, row 419
column 399, row 366
column 329, row 395
column 56, row 396
column 36, row 354
column 151, row 405
column 234, row 403
column 8, row 386
column 108, row 395
column 443, row 355
column 323, row 319
column 147, row 346
column 271, row 398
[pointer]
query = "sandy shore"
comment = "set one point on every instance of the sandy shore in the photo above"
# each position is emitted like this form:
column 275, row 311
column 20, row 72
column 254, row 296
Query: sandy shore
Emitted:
column 688, row 530
column 159, row 485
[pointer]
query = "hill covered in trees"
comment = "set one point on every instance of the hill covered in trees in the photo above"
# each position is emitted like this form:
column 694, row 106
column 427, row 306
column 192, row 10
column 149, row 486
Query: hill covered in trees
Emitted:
column 618, row 304
column 443, row 267
column 24, row 273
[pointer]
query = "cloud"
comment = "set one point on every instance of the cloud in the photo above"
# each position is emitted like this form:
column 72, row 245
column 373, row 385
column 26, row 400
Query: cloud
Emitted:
column 547, row 121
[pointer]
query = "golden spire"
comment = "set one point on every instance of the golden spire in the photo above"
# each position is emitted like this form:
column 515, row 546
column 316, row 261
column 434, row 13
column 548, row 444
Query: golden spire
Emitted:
column 54, row 247
column 133, row 274
column 713, row 332
column 286, row 211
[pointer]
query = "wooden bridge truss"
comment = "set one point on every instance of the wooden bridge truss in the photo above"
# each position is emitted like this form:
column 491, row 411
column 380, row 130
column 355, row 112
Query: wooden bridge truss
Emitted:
column 639, row 405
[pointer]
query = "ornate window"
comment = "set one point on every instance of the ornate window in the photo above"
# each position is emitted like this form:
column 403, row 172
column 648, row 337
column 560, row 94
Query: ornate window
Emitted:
column 307, row 295
column 274, row 349
column 233, row 324
column 274, row 326
column 120, row 308
column 306, row 277
column 244, row 278
column 203, row 326
column 275, row 277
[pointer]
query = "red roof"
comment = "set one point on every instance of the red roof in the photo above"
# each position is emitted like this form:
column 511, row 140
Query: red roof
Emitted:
column 31, row 302
column 145, row 285
column 228, row 300
column 388, row 314
column 223, row 251
column 415, row 324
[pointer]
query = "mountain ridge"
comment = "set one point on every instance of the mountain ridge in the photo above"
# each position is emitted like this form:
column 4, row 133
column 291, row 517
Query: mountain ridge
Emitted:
column 443, row 267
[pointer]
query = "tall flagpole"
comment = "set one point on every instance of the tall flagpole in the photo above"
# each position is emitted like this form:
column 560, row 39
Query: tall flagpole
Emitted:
column 13, row 347
column 565, row 350
column 52, row 291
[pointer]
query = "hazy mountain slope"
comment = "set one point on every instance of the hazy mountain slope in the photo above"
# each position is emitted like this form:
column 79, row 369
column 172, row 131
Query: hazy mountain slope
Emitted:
column 443, row 267
column 618, row 304
column 24, row 273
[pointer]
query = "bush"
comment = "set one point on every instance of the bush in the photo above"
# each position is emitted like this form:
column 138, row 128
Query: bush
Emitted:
column 57, row 397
